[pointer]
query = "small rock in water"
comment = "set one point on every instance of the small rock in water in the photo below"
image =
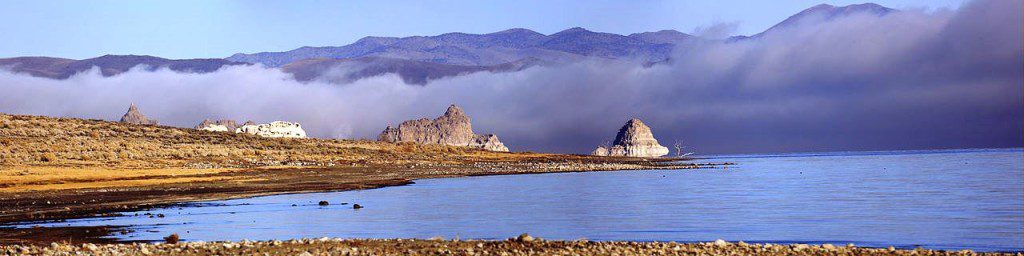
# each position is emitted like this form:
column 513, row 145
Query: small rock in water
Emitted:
column 524, row 238
column 172, row 239
column 357, row 206
column 323, row 203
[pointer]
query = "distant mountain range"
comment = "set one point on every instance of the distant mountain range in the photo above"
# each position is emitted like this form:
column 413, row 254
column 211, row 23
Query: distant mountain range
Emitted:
column 418, row 59
column 108, row 65
column 489, row 49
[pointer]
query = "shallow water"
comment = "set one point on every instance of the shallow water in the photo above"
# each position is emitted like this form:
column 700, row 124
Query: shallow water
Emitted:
column 952, row 199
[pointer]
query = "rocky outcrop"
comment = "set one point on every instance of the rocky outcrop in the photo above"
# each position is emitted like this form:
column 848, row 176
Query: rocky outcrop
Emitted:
column 134, row 116
column 275, row 129
column 488, row 142
column 633, row 140
column 218, row 125
column 453, row 128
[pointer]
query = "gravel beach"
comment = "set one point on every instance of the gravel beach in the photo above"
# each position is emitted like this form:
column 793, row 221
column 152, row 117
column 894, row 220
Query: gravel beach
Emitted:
column 522, row 245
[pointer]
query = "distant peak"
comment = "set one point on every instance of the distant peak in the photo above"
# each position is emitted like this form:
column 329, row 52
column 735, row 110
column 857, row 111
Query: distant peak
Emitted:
column 515, row 31
column 573, row 30
column 865, row 7
column 829, row 12
column 672, row 31
column 376, row 39
column 822, row 7
column 453, row 34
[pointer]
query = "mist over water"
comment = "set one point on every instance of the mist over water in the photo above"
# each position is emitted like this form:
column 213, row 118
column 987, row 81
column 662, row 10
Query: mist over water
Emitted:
column 907, row 80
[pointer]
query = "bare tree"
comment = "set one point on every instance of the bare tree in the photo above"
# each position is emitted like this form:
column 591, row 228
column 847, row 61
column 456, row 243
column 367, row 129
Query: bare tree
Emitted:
column 679, row 148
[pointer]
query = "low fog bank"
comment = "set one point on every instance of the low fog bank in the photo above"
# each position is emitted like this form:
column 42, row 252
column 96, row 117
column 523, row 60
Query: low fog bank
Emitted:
column 907, row 80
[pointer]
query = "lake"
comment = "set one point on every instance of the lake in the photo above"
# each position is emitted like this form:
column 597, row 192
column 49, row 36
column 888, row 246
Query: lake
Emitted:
column 947, row 199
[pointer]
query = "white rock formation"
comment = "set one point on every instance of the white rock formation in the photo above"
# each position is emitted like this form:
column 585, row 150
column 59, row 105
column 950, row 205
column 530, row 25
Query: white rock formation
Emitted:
column 214, row 128
column 633, row 140
column 275, row 129
column 453, row 128
column 225, row 125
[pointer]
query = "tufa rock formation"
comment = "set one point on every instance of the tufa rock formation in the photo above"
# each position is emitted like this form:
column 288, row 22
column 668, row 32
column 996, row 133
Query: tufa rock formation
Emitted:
column 633, row 140
column 133, row 116
column 453, row 128
column 275, row 129
column 218, row 126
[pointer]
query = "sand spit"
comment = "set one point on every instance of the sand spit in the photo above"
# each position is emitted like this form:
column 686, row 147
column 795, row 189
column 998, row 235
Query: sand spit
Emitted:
column 514, row 246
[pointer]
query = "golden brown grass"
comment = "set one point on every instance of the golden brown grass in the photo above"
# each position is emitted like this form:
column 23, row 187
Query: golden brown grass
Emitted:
column 69, row 142
column 36, row 178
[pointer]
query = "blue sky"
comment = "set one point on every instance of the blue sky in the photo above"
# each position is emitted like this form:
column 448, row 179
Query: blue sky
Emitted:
column 217, row 29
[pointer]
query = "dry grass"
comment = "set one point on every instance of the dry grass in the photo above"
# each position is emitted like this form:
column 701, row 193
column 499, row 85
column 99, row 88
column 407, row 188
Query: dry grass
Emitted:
column 37, row 178
column 68, row 142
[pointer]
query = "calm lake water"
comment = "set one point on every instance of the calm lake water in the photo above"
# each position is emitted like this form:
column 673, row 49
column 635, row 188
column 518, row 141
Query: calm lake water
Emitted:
column 951, row 199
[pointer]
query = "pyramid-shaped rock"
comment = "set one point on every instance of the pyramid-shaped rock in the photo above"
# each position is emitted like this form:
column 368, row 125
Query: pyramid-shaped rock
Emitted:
column 634, row 139
column 453, row 128
column 134, row 116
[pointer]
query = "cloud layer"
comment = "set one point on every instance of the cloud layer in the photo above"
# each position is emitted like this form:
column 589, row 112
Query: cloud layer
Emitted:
column 907, row 80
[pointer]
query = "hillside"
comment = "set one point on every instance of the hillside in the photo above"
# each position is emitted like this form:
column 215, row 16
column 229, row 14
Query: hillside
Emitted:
column 69, row 142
